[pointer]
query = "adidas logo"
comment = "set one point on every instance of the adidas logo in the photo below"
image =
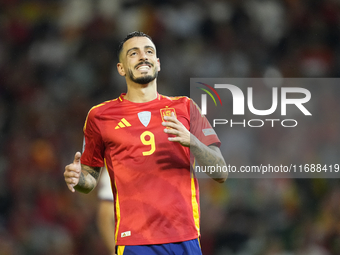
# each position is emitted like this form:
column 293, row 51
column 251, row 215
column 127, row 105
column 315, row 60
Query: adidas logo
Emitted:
column 123, row 123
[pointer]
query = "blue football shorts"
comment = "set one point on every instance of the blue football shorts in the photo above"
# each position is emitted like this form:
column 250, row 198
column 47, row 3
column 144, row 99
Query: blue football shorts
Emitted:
column 191, row 247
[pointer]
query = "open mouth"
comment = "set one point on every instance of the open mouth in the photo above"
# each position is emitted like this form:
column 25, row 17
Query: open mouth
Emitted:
column 144, row 68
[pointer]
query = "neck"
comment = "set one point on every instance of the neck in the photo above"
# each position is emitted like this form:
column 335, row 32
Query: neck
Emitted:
column 141, row 93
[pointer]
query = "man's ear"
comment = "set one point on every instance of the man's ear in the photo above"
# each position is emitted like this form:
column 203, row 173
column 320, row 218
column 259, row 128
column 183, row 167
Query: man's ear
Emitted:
column 159, row 65
column 121, row 69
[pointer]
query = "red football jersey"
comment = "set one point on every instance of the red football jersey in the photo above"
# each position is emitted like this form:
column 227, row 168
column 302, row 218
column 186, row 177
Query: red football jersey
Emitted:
column 156, row 198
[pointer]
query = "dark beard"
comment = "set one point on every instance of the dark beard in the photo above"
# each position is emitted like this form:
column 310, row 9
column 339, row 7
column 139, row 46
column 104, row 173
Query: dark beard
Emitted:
column 144, row 79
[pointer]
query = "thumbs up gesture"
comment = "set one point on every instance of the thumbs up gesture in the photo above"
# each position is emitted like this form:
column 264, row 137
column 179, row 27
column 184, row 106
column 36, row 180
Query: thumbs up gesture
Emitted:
column 72, row 172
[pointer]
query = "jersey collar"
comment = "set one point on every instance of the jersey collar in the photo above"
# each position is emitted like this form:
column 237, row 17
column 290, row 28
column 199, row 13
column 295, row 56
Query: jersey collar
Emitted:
column 121, row 98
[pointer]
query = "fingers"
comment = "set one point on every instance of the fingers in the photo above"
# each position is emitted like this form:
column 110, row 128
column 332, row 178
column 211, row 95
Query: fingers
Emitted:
column 171, row 121
column 171, row 118
column 71, row 182
column 172, row 131
column 176, row 128
column 71, row 175
column 169, row 124
column 72, row 172
column 180, row 138
column 172, row 124
column 70, row 187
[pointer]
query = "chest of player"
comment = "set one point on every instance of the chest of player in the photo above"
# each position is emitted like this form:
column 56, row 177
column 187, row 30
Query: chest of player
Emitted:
column 139, row 131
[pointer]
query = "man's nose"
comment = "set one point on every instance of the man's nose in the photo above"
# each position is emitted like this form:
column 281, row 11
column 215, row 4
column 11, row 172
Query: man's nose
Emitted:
column 143, row 56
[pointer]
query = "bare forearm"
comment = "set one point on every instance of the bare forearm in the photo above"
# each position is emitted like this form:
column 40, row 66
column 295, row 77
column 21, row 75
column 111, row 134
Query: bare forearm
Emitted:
column 208, row 156
column 88, row 179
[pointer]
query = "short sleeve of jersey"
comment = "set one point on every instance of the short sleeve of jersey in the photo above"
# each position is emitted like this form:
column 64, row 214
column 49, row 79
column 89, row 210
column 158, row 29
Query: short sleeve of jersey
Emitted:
column 105, row 190
column 201, row 128
column 93, row 149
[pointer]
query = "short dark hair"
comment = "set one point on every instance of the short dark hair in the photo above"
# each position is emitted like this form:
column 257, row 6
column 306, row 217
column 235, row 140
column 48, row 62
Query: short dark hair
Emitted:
column 129, row 36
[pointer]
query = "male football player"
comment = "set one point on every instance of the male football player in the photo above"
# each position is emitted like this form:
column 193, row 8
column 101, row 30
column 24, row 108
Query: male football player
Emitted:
column 147, row 142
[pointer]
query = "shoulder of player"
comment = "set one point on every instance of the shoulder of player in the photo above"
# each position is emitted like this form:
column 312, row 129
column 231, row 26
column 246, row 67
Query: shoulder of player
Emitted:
column 99, row 108
column 183, row 99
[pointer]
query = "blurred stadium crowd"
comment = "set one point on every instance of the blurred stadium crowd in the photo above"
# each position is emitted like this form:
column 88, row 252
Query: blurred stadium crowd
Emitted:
column 58, row 59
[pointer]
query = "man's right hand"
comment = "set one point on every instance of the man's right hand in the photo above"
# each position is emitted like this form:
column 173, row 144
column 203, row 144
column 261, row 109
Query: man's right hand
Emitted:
column 72, row 172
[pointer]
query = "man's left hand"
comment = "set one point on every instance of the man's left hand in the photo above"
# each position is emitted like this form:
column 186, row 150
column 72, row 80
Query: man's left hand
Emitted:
column 175, row 127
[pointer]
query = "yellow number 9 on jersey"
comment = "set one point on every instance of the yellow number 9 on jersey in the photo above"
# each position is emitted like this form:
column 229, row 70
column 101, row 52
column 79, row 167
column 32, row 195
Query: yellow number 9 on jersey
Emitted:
column 150, row 141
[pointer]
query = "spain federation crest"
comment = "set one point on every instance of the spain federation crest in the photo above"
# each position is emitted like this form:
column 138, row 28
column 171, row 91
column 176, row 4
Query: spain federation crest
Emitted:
column 167, row 112
column 144, row 118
